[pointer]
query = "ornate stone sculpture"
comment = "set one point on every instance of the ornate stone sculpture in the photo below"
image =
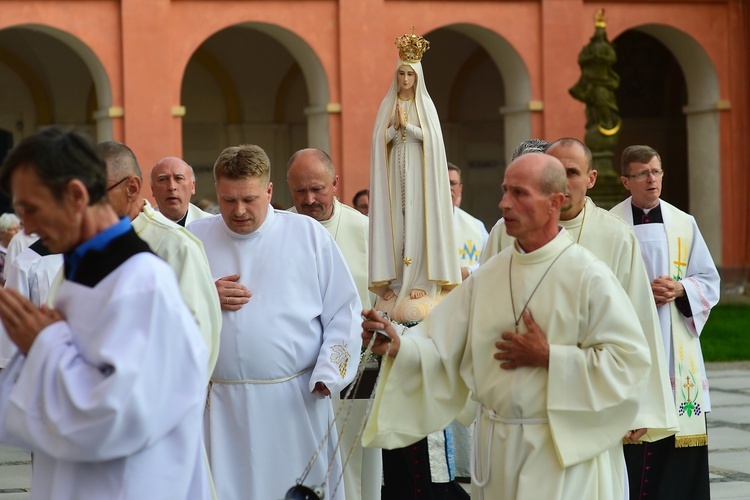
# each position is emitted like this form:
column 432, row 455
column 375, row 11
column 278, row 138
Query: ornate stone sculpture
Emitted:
column 596, row 88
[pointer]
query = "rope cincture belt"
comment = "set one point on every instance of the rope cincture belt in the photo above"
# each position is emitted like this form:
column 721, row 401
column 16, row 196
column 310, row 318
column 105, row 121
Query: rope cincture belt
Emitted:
column 269, row 381
column 493, row 417
column 242, row 382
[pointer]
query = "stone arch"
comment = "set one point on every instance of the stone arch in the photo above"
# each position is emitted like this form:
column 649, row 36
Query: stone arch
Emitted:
column 702, row 112
column 483, row 95
column 315, row 77
column 518, row 105
column 34, row 84
column 225, row 83
column 278, row 98
column 32, row 71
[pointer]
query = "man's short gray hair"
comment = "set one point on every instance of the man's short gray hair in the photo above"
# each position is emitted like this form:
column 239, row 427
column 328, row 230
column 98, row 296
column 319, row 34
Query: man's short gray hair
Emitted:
column 120, row 160
column 530, row 146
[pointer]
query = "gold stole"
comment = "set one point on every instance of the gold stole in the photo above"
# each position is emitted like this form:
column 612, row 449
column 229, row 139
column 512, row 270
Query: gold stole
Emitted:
column 688, row 383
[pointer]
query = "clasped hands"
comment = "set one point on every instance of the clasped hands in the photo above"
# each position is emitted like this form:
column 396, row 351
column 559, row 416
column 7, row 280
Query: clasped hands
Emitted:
column 666, row 289
column 23, row 320
column 399, row 118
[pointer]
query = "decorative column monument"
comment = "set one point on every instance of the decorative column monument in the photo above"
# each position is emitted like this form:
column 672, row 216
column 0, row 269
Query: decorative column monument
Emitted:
column 596, row 88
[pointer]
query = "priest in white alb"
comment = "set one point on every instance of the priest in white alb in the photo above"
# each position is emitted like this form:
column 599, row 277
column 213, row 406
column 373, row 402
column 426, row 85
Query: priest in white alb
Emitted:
column 290, row 338
column 172, row 186
column 31, row 273
column 551, row 416
column 178, row 247
column 313, row 183
column 102, row 392
column 612, row 241
column 470, row 233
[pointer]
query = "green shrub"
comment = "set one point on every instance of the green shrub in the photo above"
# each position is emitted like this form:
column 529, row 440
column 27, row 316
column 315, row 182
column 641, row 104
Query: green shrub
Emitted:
column 726, row 336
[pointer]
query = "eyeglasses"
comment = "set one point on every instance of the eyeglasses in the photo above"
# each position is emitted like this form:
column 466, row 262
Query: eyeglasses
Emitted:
column 656, row 172
column 110, row 188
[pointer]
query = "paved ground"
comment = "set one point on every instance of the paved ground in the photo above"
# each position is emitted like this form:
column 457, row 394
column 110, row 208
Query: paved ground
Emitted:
column 729, row 430
column 728, row 439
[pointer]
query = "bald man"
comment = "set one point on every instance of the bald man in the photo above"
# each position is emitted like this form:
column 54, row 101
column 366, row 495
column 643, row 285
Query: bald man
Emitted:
column 613, row 242
column 182, row 251
column 313, row 184
column 551, row 418
column 172, row 185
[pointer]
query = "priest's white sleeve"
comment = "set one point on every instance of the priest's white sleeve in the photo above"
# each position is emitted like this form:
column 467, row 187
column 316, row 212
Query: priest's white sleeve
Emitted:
column 338, row 359
column 71, row 409
column 425, row 387
column 657, row 411
column 197, row 288
column 590, row 398
column 8, row 378
column 702, row 283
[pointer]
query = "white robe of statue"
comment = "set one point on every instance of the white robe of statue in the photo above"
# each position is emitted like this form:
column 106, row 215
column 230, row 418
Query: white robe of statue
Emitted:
column 411, row 216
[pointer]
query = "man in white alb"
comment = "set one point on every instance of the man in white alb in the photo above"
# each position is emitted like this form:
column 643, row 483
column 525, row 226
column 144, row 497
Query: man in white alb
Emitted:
column 685, row 286
column 289, row 338
column 572, row 358
column 102, row 392
column 313, row 183
column 178, row 247
column 612, row 241
column 471, row 235
column 32, row 274
column 18, row 244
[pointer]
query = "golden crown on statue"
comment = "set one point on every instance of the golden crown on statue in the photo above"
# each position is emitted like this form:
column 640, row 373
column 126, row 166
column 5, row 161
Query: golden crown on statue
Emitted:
column 411, row 47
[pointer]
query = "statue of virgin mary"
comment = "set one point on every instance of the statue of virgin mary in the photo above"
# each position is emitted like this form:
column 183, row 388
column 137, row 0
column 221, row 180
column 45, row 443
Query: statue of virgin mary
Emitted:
column 411, row 215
